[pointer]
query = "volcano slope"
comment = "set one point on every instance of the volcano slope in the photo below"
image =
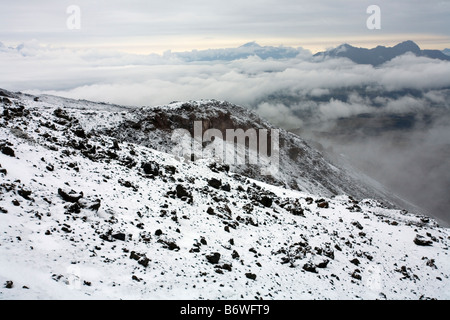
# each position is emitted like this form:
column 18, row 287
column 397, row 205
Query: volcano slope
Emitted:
column 94, row 206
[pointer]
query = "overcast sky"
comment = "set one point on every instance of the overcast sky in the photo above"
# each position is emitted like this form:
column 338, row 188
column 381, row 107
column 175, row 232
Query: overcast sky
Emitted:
column 160, row 25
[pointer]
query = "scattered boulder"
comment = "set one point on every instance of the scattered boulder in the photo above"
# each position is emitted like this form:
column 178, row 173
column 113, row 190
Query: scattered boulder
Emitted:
column 119, row 236
column 144, row 262
column 356, row 274
column 323, row 264
column 24, row 194
column 66, row 228
column 216, row 184
column 210, row 211
column 8, row 151
column 151, row 168
column 250, row 276
column 182, row 192
column 60, row 113
column 227, row 266
column 355, row 261
column 71, row 196
column 127, row 184
column 310, row 267
column 357, row 225
column 321, row 203
column 266, row 201
column 213, row 257
column 216, row 167
column 9, row 284
column 79, row 132
column 171, row 245
column 73, row 208
column 135, row 256
column 421, row 241
column 95, row 205
column 170, row 169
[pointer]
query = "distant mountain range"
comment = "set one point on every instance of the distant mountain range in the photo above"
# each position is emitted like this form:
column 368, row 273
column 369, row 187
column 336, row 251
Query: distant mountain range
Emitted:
column 381, row 54
column 242, row 52
column 375, row 56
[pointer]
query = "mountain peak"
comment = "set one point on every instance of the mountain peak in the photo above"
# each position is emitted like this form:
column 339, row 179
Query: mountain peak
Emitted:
column 408, row 46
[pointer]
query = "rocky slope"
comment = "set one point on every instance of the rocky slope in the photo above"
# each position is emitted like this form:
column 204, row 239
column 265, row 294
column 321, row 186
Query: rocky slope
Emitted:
column 92, row 212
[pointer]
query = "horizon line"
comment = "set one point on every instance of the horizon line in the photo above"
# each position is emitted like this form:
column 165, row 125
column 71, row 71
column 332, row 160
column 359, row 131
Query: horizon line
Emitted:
column 315, row 45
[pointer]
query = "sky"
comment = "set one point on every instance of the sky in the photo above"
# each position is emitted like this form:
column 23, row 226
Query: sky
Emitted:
column 156, row 26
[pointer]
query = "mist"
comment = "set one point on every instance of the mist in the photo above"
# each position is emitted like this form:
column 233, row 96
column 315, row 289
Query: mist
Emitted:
column 414, row 164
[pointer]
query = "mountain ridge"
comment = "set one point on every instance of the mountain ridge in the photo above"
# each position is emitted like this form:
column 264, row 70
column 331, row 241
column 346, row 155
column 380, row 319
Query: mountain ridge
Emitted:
column 380, row 54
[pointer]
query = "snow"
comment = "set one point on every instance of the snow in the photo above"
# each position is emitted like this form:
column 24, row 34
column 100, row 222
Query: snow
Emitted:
column 52, row 263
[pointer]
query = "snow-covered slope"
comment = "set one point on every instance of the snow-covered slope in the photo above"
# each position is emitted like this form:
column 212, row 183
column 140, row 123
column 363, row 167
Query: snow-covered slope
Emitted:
column 85, row 216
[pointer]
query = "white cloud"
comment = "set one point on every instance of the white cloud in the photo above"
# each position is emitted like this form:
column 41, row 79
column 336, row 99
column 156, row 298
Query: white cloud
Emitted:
column 133, row 79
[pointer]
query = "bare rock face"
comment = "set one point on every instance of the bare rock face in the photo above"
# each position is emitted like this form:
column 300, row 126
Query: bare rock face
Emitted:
column 301, row 167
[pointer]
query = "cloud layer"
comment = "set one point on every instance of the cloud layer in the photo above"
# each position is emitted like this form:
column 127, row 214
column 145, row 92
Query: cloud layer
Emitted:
column 243, row 78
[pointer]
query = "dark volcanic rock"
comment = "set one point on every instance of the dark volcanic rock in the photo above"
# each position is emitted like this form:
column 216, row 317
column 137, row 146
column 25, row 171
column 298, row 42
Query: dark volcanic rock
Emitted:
column 144, row 262
column 213, row 257
column 266, row 201
column 72, row 196
column 171, row 245
column 135, row 256
column 323, row 264
column 8, row 151
column 24, row 194
column 216, row 184
column 182, row 192
column 355, row 261
column 79, row 132
column 251, row 276
column 322, row 204
column 59, row 113
column 421, row 241
column 119, row 236
column 357, row 224
column 95, row 205
column 357, row 275
column 309, row 267
column 151, row 168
